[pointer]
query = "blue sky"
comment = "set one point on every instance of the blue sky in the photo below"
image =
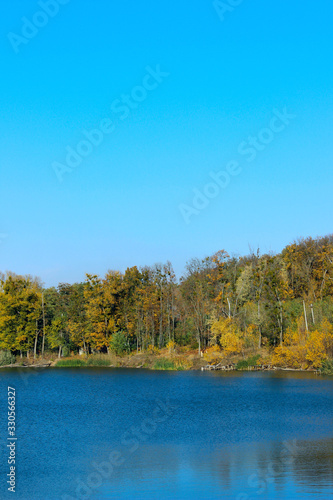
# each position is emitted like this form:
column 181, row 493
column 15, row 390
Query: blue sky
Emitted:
column 121, row 205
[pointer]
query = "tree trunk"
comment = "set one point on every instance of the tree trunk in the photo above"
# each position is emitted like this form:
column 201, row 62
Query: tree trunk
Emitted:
column 59, row 354
column 36, row 340
column 229, row 306
column 84, row 346
column 305, row 317
column 280, row 323
column 281, row 331
column 312, row 313
column 173, row 319
column 199, row 342
column 43, row 309
column 160, row 340
column 152, row 330
column 259, row 325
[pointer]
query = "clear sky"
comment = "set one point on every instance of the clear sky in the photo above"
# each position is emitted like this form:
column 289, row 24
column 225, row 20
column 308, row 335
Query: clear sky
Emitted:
column 180, row 90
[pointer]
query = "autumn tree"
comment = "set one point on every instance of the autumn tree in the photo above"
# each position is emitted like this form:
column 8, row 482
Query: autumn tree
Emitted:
column 20, row 312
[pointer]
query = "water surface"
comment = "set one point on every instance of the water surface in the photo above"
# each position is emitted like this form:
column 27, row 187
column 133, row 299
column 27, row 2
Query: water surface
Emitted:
column 137, row 434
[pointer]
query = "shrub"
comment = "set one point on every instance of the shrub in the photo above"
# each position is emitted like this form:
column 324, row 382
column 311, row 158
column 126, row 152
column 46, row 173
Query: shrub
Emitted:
column 6, row 358
column 171, row 346
column 213, row 355
column 152, row 349
column 119, row 343
column 326, row 367
column 65, row 351
column 320, row 344
column 291, row 356
column 242, row 365
column 246, row 363
column 302, row 349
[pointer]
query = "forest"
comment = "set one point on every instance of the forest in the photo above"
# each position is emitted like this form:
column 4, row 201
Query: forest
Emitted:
column 279, row 307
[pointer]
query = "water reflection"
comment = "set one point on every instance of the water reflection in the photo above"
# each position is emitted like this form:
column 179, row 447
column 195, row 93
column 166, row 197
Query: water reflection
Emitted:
column 289, row 470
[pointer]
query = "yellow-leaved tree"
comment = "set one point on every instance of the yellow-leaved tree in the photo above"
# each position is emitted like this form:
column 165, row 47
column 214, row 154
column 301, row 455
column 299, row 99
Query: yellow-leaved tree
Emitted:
column 302, row 349
column 227, row 336
column 319, row 345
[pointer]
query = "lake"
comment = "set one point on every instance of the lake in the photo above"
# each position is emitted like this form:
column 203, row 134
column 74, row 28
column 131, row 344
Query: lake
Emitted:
column 139, row 434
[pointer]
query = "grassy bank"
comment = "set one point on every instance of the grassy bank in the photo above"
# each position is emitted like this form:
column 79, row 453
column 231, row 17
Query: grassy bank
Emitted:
column 164, row 359
column 187, row 360
column 152, row 361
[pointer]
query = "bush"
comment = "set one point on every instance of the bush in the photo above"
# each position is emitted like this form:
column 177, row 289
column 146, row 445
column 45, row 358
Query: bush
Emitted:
column 119, row 343
column 171, row 345
column 6, row 358
column 65, row 352
column 213, row 355
column 289, row 356
column 246, row 363
column 153, row 350
column 326, row 367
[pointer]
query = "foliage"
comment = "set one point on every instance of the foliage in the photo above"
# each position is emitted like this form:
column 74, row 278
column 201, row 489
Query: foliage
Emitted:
column 6, row 358
column 213, row 354
column 246, row 363
column 153, row 350
column 289, row 356
column 119, row 343
column 65, row 351
column 301, row 348
column 326, row 367
column 222, row 305
column 20, row 309
column 171, row 346
column 226, row 335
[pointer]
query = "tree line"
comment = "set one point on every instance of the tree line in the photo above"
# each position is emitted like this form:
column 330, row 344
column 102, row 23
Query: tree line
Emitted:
column 221, row 303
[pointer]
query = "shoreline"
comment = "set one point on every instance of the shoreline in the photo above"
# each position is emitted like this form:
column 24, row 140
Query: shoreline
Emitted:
column 203, row 368
column 166, row 360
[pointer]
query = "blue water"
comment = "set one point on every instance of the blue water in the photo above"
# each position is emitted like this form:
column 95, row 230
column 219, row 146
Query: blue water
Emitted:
column 137, row 434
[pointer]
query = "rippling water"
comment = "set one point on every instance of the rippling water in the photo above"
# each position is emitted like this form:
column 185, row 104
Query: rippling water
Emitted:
column 136, row 434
